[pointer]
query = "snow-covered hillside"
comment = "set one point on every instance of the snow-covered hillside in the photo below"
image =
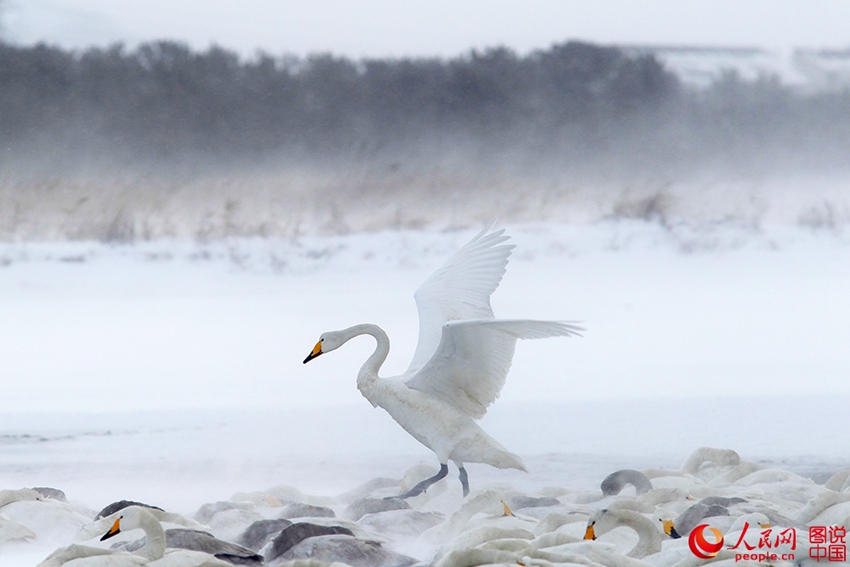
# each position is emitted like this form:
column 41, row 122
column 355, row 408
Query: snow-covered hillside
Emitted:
column 809, row 69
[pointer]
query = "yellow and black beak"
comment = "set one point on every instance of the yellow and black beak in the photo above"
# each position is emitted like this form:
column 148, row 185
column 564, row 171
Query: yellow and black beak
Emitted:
column 317, row 350
column 670, row 528
column 114, row 530
column 589, row 533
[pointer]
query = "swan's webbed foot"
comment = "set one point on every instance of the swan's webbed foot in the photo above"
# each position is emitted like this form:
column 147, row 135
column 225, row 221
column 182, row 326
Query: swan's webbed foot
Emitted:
column 423, row 486
column 464, row 481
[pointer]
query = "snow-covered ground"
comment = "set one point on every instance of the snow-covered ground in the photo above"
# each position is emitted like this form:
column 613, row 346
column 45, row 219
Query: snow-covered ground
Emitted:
column 670, row 312
column 170, row 372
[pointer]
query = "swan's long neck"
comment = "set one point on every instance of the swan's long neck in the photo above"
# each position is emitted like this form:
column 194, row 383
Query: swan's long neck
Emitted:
column 369, row 371
column 155, row 540
column 649, row 541
column 9, row 496
column 818, row 504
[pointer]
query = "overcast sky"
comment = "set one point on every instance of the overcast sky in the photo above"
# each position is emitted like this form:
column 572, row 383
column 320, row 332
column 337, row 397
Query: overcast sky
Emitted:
column 379, row 28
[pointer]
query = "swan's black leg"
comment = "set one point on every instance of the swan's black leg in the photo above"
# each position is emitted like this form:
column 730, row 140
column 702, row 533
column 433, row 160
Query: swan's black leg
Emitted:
column 464, row 481
column 423, row 486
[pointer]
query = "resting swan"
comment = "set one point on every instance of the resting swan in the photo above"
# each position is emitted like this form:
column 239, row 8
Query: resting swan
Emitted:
column 460, row 364
column 152, row 553
column 605, row 520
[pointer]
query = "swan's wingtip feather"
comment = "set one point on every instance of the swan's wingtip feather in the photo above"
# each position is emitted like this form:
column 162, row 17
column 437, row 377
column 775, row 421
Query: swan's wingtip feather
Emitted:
column 573, row 328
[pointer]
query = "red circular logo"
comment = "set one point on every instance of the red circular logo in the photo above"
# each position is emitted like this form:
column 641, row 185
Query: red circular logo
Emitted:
column 700, row 546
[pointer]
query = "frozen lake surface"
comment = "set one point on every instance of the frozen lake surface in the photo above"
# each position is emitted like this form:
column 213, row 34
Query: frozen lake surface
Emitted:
column 170, row 372
column 670, row 312
column 181, row 459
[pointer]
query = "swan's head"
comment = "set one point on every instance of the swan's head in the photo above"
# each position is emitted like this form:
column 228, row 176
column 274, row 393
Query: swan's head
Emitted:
column 128, row 518
column 114, row 530
column 602, row 522
column 327, row 342
column 598, row 524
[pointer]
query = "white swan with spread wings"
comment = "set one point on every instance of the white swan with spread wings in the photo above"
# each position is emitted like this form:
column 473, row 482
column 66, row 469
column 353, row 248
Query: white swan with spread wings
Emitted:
column 460, row 364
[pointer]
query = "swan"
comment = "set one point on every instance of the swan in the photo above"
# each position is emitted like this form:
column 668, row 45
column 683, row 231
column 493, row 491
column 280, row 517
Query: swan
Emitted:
column 152, row 553
column 153, row 550
column 606, row 520
column 475, row 556
column 486, row 509
column 196, row 540
column 53, row 521
column 21, row 494
column 615, row 482
column 716, row 457
column 693, row 515
column 460, row 363
column 13, row 531
column 838, row 481
column 819, row 504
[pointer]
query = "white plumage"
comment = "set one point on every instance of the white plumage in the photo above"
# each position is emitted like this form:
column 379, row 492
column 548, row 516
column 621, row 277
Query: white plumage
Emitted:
column 152, row 554
column 460, row 363
column 469, row 367
column 459, row 290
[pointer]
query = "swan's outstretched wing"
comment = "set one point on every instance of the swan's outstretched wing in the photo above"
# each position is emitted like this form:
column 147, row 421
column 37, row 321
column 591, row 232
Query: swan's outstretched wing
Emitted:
column 472, row 360
column 459, row 290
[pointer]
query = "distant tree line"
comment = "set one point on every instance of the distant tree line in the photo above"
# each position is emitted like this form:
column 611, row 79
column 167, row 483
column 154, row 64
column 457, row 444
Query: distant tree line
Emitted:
column 575, row 102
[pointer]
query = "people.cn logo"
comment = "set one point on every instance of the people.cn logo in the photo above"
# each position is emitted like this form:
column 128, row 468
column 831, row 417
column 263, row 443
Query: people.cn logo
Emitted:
column 700, row 546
